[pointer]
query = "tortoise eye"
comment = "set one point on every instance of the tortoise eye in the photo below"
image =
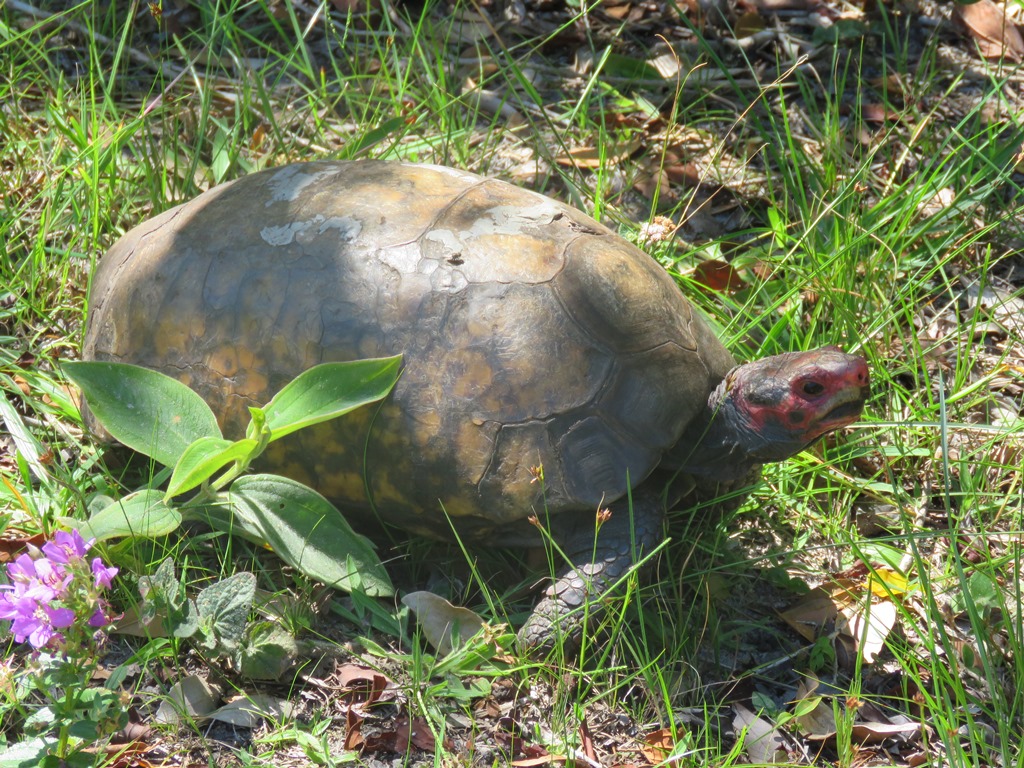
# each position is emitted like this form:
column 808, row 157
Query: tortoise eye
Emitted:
column 813, row 388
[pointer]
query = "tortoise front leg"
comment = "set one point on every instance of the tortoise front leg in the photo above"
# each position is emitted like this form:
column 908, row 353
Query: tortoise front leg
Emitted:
column 593, row 568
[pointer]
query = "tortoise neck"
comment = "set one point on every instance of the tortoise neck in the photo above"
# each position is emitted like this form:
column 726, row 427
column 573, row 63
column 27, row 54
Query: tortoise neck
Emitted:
column 712, row 445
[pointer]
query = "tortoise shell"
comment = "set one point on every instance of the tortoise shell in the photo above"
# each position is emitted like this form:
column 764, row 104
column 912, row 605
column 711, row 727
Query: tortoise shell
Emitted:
column 532, row 335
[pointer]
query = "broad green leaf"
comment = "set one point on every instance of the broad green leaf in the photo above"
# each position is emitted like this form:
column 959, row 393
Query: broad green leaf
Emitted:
column 268, row 651
column 304, row 529
column 328, row 390
column 149, row 412
column 142, row 513
column 203, row 459
column 26, row 754
column 224, row 609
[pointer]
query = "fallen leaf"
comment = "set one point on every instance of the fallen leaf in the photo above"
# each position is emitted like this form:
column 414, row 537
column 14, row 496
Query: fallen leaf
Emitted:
column 763, row 741
column 11, row 548
column 872, row 733
column 938, row 202
column 618, row 12
column 877, row 113
column 353, row 730
column 870, row 625
column 130, row 623
column 658, row 745
column 440, row 620
column 528, row 762
column 133, row 732
column 415, row 732
column 587, row 742
column 717, row 275
column 469, row 26
column 813, row 711
column 407, row 733
column 249, row 711
column 597, row 157
column 748, row 24
column 189, row 698
column 996, row 36
column 887, row 583
column 810, row 617
column 125, row 755
column 362, row 685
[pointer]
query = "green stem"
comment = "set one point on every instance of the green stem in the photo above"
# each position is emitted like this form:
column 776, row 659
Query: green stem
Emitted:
column 62, row 741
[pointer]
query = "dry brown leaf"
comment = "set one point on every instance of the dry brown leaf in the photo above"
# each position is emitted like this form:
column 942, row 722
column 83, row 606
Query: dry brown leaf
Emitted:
column 587, row 742
column 363, row 685
column 11, row 548
column 617, row 12
column 528, row 762
column 124, row 754
column 22, row 384
column 916, row 758
column 878, row 113
column 250, row 711
column 353, row 730
column 810, row 617
column 439, row 620
column 872, row 733
column 937, row 203
column 814, row 711
column 996, row 36
column 717, row 275
column 658, row 745
column 763, row 741
column 190, row 698
column 870, row 625
column 469, row 26
column 130, row 623
column 748, row 24
column 415, row 732
column 594, row 157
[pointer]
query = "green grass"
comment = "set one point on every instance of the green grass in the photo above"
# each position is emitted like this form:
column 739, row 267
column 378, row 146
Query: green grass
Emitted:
column 845, row 230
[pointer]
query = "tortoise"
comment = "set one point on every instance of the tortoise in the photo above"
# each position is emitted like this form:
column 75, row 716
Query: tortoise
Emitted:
column 535, row 342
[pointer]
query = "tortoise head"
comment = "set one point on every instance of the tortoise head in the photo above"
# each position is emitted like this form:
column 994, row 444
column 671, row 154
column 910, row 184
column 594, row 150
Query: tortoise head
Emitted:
column 775, row 407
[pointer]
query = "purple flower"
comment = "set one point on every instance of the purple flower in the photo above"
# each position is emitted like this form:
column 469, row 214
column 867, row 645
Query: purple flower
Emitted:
column 22, row 570
column 60, row 618
column 50, row 587
column 66, row 547
column 36, row 623
column 52, row 575
column 103, row 577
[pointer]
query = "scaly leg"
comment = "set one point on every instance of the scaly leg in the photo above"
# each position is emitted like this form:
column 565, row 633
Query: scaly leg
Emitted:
column 621, row 541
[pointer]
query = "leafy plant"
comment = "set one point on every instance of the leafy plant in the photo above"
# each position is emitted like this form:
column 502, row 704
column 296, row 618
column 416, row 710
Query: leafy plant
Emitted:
column 165, row 420
column 218, row 621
